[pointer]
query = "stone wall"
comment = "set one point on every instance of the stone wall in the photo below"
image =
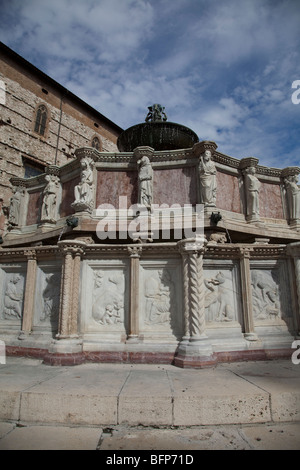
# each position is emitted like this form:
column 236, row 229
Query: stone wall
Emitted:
column 71, row 123
column 190, row 302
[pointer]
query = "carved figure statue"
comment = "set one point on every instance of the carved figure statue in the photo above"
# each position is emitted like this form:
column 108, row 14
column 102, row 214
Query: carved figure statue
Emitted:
column 84, row 190
column 49, row 199
column 293, row 196
column 156, row 113
column 252, row 185
column 208, row 181
column 13, row 297
column 15, row 205
column 265, row 295
column 217, row 296
column 145, row 179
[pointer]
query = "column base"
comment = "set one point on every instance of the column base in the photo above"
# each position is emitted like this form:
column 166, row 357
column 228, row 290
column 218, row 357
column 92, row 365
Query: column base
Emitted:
column 65, row 351
column 195, row 353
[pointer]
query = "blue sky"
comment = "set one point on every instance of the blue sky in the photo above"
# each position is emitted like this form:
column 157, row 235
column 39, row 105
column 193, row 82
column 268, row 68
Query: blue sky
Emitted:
column 224, row 68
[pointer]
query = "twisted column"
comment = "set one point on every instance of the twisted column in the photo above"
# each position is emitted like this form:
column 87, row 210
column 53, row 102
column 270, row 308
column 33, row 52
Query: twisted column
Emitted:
column 193, row 287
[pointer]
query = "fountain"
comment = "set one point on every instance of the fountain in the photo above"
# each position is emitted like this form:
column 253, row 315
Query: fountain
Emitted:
column 157, row 133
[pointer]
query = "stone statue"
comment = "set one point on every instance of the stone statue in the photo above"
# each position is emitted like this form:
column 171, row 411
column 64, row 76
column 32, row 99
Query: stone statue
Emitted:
column 208, row 181
column 15, row 206
column 49, row 199
column 84, row 198
column 13, row 297
column 293, row 196
column 156, row 113
column 252, row 185
column 145, row 178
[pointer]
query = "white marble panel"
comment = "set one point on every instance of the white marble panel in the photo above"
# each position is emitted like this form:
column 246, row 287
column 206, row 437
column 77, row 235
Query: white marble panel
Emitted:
column 12, row 278
column 271, row 294
column 222, row 293
column 161, row 297
column 104, row 296
column 46, row 306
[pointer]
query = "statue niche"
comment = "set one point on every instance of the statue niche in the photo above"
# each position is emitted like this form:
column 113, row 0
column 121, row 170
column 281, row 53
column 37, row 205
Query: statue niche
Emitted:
column 84, row 191
column 145, row 182
column 208, row 180
column 50, row 199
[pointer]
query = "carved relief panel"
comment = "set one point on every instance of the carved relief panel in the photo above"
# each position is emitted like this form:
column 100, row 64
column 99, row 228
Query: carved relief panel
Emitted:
column 104, row 296
column 12, row 278
column 271, row 296
column 222, row 293
column 161, row 297
column 47, row 297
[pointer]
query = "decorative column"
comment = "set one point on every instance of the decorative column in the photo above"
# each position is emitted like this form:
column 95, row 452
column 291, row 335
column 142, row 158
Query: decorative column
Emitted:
column 29, row 297
column 195, row 349
column 66, row 349
column 249, row 332
column 135, row 253
column 293, row 250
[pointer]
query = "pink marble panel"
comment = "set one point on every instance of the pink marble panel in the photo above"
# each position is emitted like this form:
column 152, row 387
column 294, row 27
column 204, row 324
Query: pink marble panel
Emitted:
column 68, row 197
column 113, row 184
column 34, row 207
column 175, row 186
column 228, row 193
column 270, row 203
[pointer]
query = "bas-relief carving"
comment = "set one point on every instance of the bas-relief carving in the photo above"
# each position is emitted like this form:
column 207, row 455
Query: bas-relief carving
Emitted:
column 108, row 302
column 13, row 295
column 219, row 297
column 265, row 294
column 47, row 298
column 159, row 289
column 160, row 299
column 271, row 293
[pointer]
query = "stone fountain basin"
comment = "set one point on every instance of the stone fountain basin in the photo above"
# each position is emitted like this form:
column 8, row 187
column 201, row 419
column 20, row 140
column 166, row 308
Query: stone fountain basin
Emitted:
column 157, row 135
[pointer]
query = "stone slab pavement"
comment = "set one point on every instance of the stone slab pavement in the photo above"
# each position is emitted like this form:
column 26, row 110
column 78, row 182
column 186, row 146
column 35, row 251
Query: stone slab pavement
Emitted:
column 244, row 405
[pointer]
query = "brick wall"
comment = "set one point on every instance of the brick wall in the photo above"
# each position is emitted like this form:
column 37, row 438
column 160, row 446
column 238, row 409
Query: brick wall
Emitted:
column 71, row 123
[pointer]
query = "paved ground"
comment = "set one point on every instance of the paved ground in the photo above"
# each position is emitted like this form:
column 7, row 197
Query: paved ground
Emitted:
column 113, row 407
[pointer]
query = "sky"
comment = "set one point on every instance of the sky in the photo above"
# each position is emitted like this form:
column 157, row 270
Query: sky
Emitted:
column 224, row 68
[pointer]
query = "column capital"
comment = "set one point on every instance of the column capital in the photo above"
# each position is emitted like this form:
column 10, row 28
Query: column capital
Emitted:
column 72, row 246
column 135, row 251
column 192, row 245
column 30, row 254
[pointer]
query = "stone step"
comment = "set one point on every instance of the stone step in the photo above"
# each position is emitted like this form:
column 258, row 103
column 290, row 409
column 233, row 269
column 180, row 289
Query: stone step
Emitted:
column 149, row 395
